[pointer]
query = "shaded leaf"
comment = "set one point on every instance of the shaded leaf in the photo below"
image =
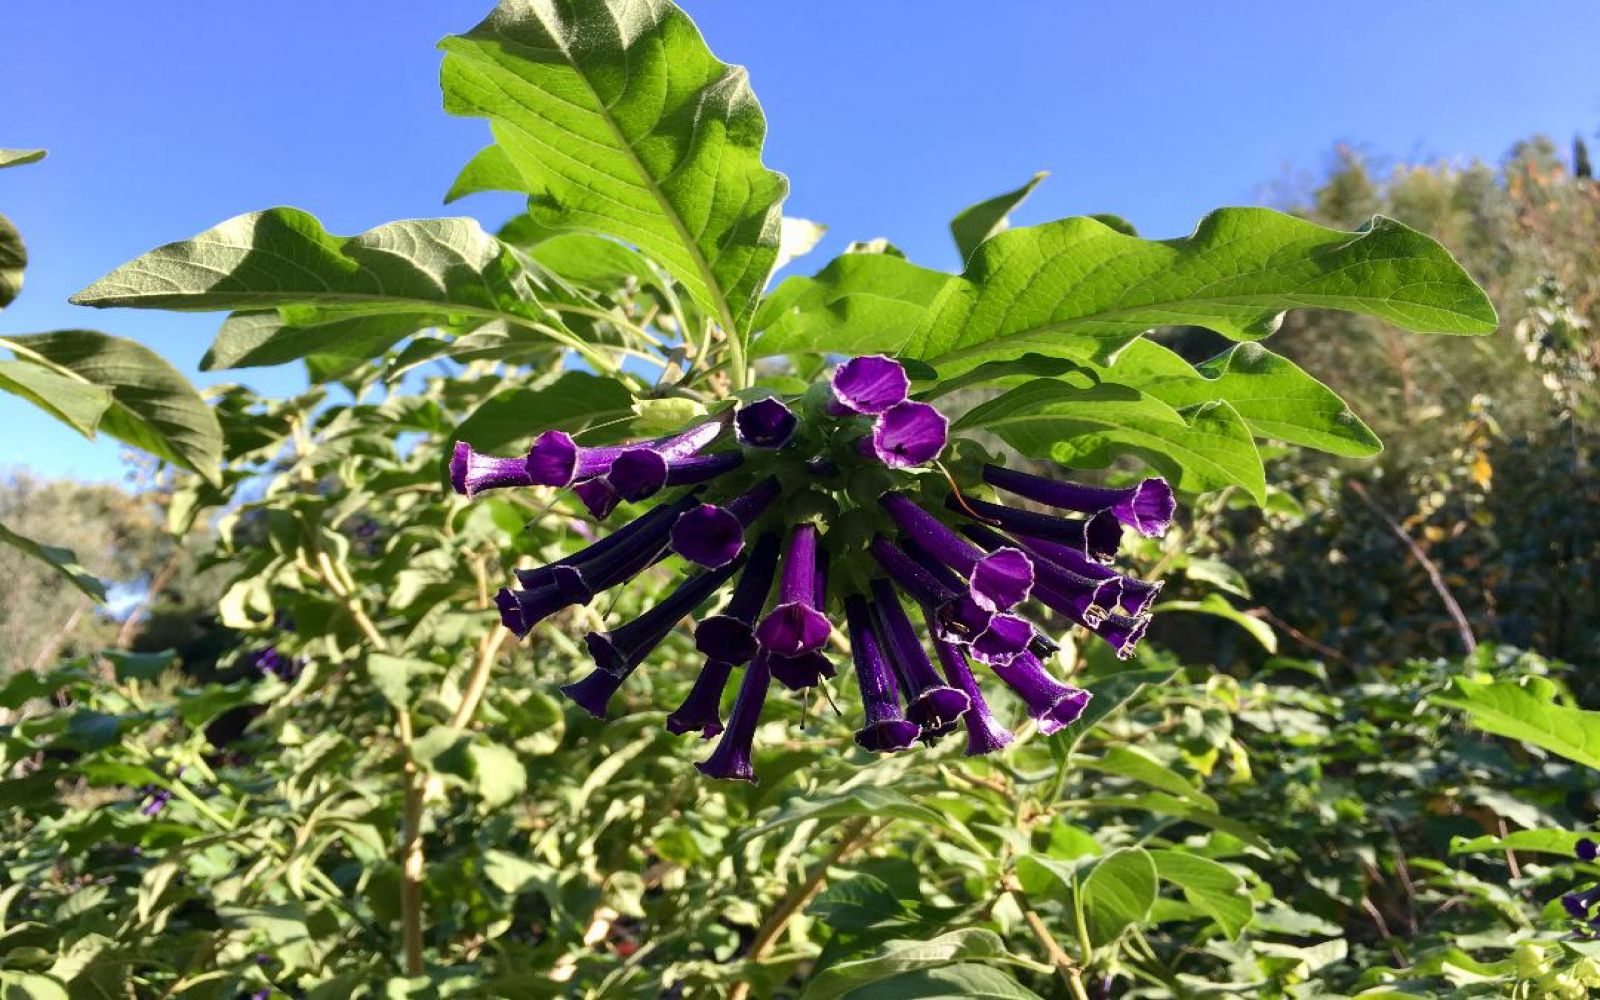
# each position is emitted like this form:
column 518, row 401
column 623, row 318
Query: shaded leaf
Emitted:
column 616, row 118
column 953, row 981
column 153, row 407
column 74, row 402
column 512, row 418
column 1118, row 892
column 13, row 260
column 63, row 561
column 1202, row 449
column 1217, row 606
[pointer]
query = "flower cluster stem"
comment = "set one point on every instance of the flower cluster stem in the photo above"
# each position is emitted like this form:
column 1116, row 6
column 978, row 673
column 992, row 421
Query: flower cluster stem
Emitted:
column 1065, row 967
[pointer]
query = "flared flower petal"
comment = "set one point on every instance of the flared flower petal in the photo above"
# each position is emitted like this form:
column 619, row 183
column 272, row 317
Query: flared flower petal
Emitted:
column 598, row 497
column 732, row 757
column 625, row 647
column 593, row 691
column 930, row 702
column 766, row 423
column 797, row 673
column 729, row 635
column 557, row 460
column 1098, row 536
column 702, row 708
column 868, row 385
column 996, row 581
column 1050, row 702
column 797, row 625
column 1131, row 595
column 886, row 728
column 1006, row 636
column 1147, row 508
column 639, row 473
column 985, row 734
column 471, row 473
column 712, row 535
column 931, row 584
column 907, row 435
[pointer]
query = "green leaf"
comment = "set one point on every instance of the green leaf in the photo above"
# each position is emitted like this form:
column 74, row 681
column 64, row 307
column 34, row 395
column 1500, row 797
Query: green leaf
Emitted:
column 1110, row 694
column 991, row 371
column 989, row 218
column 153, row 407
column 1209, row 886
column 895, row 957
column 17, row 157
column 498, row 775
column 26, row 985
column 1131, row 762
column 13, row 260
column 1509, row 709
column 490, row 169
column 573, row 402
column 1078, row 288
column 1217, row 606
column 868, row 800
column 1562, row 842
column 1118, row 892
column 74, row 402
column 1273, row 394
column 322, row 293
column 858, row 903
column 860, row 303
column 63, row 561
column 1202, row 449
column 952, row 982
column 616, row 118
column 392, row 676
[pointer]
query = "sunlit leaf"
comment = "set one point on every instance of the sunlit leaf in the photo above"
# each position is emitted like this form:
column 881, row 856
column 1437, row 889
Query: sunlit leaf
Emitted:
column 1509, row 709
column 988, row 218
column 1208, row 886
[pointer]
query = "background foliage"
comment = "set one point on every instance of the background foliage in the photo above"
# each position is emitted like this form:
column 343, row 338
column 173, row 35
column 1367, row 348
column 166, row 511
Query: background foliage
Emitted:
column 1280, row 799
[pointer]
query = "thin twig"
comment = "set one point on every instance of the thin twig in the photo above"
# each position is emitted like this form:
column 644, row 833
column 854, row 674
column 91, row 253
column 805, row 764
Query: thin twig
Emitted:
column 1434, row 576
column 1065, row 967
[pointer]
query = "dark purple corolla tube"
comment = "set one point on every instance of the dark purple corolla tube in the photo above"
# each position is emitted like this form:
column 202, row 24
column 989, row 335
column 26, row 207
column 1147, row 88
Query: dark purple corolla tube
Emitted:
column 471, row 472
column 621, row 650
column 997, row 581
column 1005, row 637
column 639, row 473
column 1098, row 536
column 868, row 385
column 1123, row 632
column 1147, row 508
column 636, row 533
column 798, row 673
column 711, row 535
column 593, row 691
column 557, row 460
column 886, row 728
column 729, row 635
column 732, row 757
column 907, row 435
column 598, row 497
column 702, row 708
column 932, row 585
column 931, row 703
column 1050, row 702
column 985, row 734
column 1133, row 596
column 766, row 423
column 797, row 625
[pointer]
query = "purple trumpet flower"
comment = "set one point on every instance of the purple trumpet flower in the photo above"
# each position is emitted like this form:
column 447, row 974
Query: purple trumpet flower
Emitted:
column 1586, row 849
column 989, row 637
column 985, row 734
column 997, row 581
column 931, row 703
column 1132, row 595
column 1123, row 632
column 766, row 423
column 797, row 625
column 907, row 435
column 621, row 650
column 807, row 669
column 960, row 618
column 729, row 635
column 702, row 708
column 639, row 473
column 886, row 726
column 598, row 497
column 868, row 385
column 1580, row 905
column 593, row 691
column 1147, row 508
column 713, row 536
column 1051, row 703
column 732, row 757
column 472, row 472
column 1098, row 536
column 557, row 460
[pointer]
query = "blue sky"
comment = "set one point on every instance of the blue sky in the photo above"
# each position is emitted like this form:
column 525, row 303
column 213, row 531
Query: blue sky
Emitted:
column 888, row 116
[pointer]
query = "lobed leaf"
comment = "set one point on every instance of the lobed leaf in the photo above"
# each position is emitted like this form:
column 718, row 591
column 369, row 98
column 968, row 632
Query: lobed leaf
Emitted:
column 615, row 117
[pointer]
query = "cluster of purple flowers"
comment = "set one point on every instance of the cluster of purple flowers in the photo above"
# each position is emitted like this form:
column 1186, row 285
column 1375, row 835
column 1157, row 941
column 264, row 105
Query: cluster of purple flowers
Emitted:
column 749, row 516
column 1581, row 905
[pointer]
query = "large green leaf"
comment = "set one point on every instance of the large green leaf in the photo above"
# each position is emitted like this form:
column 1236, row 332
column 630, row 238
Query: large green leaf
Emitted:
column 153, row 407
column 74, row 402
column 989, row 218
column 1205, row 448
column 17, row 157
column 1118, row 892
column 304, row 290
column 859, row 303
column 1509, row 709
column 895, row 957
column 615, row 117
column 1273, row 394
column 1209, row 886
column 513, row 417
column 13, row 260
column 63, row 561
column 952, row 982
column 1078, row 288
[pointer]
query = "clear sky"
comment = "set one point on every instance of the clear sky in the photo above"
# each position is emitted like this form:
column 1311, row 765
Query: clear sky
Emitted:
column 888, row 116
